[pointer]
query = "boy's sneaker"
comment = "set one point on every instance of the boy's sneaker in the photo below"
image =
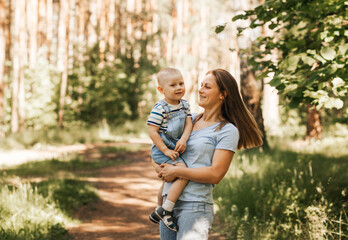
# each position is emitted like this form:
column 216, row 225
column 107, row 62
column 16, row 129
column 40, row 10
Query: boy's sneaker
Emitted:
column 154, row 218
column 167, row 218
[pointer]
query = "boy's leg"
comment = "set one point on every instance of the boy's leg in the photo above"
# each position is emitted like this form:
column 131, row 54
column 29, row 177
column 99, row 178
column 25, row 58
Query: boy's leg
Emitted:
column 153, row 216
column 165, row 213
column 159, row 196
column 176, row 188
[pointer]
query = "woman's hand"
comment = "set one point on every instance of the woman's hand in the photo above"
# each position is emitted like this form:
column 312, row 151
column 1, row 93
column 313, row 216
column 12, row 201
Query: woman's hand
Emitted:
column 167, row 173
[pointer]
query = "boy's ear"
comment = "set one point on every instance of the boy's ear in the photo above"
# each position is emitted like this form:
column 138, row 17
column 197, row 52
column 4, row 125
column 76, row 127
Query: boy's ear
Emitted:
column 160, row 89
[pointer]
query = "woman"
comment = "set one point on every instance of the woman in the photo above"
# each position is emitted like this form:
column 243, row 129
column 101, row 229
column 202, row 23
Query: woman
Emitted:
column 225, row 126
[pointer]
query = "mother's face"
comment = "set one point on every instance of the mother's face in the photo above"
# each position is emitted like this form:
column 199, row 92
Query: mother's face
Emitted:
column 209, row 93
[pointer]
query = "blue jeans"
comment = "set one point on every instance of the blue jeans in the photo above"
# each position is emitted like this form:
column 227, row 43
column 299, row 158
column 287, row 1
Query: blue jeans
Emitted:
column 194, row 220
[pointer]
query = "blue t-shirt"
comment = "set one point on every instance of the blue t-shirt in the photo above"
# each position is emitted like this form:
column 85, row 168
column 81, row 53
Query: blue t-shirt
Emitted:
column 199, row 153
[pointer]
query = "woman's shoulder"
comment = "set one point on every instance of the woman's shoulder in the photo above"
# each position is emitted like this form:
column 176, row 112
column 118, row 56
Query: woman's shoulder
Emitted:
column 230, row 128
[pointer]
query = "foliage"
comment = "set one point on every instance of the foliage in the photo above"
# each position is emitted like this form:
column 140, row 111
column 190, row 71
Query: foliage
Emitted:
column 310, row 42
column 40, row 86
column 108, row 91
column 41, row 83
column 283, row 195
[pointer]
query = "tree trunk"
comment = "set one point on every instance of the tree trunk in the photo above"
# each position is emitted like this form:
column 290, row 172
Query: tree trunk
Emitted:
column 63, row 47
column 270, row 94
column 252, row 94
column 103, row 31
column 111, row 27
column 314, row 127
column 3, row 34
column 131, row 26
column 19, row 60
column 32, row 19
column 49, row 24
column 42, row 22
column 8, row 57
column 91, row 34
column 118, row 26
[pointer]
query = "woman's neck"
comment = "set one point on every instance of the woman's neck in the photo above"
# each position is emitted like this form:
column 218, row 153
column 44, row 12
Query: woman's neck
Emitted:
column 212, row 115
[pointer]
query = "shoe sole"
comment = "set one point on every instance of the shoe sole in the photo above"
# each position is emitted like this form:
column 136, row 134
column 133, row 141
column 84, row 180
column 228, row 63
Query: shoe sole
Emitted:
column 174, row 230
column 153, row 220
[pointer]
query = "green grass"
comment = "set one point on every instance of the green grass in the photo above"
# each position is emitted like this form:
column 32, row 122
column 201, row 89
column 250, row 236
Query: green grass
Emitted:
column 59, row 167
column 75, row 133
column 68, row 194
column 283, row 195
column 27, row 215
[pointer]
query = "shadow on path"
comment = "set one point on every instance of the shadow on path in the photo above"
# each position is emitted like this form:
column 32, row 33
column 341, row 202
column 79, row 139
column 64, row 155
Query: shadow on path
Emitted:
column 128, row 194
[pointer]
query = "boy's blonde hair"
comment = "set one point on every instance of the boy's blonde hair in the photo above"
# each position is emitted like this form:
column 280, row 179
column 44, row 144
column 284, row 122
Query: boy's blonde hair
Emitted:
column 166, row 74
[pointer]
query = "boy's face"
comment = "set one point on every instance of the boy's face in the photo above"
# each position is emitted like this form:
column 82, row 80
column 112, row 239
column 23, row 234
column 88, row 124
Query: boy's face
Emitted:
column 173, row 89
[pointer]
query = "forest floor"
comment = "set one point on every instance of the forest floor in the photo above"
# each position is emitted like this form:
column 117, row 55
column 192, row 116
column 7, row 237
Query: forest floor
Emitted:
column 127, row 195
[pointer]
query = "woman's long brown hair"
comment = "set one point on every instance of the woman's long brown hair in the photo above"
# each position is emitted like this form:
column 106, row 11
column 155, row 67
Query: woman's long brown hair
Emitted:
column 234, row 110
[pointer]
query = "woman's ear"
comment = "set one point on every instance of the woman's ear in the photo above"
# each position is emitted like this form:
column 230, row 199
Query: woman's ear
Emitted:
column 223, row 95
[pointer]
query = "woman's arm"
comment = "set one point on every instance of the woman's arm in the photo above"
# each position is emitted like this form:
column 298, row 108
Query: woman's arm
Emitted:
column 212, row 174
column 158, row 169
column 156, row 166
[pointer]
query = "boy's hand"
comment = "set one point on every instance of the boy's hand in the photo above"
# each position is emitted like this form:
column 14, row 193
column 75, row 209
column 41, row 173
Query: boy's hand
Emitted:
column 180, row 146
column 171, row 153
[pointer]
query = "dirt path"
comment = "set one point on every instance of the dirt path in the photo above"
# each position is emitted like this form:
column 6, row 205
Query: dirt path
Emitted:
column 128, row 195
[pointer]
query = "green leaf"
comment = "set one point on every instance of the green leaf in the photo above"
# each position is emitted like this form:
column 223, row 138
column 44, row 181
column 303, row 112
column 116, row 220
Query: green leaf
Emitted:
column 272, row 26
column 290, row 88
column 343, row 49
column 294, row 102
column 275, row 82
column 333, row 103
column 328, row 53
column 240, row 16
column 220, row 28
column 290, row 64
column 307, row 60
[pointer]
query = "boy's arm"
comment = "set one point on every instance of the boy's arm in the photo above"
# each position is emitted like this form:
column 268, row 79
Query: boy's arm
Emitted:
column 157, row 140
column 181, row 144
column 188, row 129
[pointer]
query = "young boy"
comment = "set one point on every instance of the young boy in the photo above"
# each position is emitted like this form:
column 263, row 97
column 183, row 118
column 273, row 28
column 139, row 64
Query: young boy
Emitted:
column 170, row 126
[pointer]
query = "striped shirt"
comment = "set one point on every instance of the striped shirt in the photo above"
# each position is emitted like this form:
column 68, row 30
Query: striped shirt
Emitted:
column 158, row 115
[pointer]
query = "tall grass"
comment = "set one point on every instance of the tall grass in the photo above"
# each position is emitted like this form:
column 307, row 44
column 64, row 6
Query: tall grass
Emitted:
column 283, row 195
column 43, row 210
column 26, row 214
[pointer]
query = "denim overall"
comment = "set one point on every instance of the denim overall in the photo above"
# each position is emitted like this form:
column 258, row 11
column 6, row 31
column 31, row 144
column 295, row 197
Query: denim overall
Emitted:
column 176, row 125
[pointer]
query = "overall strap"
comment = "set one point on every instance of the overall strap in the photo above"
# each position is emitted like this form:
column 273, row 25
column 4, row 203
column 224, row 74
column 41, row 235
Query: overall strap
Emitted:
column 165, row 107
column 185, row 104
